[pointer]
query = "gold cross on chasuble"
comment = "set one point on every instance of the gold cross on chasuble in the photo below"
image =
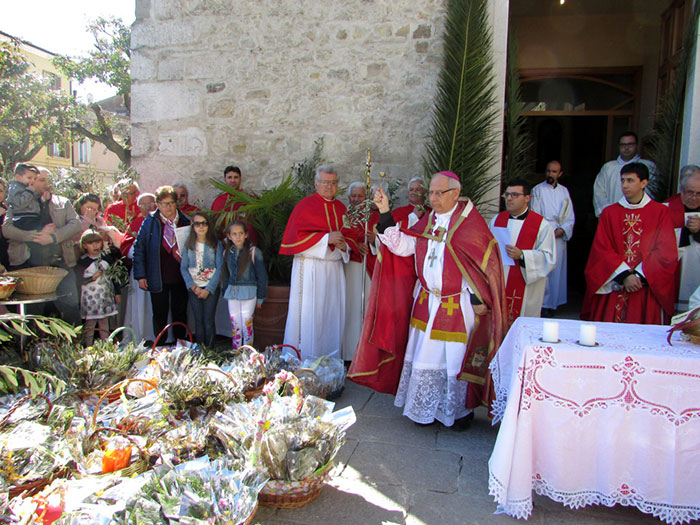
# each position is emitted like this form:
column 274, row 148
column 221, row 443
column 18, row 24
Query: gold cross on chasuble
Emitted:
column 450, row 305
column 422, row 296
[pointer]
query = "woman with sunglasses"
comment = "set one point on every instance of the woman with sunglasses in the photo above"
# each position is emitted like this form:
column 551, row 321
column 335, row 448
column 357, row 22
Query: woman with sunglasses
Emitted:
column 202, row 260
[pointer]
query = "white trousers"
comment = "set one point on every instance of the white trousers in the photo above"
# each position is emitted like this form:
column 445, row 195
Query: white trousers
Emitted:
column 241, row 313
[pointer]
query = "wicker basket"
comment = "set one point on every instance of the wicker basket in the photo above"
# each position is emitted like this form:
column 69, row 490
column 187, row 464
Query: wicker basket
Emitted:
column 39, row 280
column 6, row 289
column 293, row 494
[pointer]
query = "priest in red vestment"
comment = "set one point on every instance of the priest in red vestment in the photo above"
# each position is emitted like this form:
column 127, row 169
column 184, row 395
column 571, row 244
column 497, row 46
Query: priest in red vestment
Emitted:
column 225, row 202
column 631, row 267
column 183, row 199
column 429, row 339
column 407, row 216
column 685, row 216
column 316, row 315
column 122, row 212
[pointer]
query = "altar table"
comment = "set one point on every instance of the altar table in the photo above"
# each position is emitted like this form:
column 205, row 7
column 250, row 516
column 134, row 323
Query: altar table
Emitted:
column 616, row 424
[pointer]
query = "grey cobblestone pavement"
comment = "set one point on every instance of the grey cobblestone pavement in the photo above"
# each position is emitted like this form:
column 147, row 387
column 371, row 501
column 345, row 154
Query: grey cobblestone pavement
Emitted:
column 392, row 471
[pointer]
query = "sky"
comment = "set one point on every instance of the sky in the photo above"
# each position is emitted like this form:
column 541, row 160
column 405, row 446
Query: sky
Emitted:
column 59, row 26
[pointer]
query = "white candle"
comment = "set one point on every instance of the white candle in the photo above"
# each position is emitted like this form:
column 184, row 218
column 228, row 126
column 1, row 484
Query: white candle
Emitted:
column 550, row 332
column 587, row 335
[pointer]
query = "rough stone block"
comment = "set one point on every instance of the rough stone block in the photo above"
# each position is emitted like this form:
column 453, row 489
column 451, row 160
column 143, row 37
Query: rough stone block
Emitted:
column 165, row 33
column 342, row 34
column 403, row 31
column 378, row 71
column 142, row 67
column 257, row 94
column 170, row 69
column 422, row 31
column 189, row 142
column 422, row 47
column 163, row 101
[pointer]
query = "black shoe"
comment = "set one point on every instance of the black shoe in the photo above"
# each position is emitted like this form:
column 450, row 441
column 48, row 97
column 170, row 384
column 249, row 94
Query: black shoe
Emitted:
column 547, row 313
column 463, row 423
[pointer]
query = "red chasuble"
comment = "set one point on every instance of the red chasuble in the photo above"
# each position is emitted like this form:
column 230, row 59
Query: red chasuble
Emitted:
column 677, row 210
column 189, row 209
column 633, row 236
column 400, row 215
column 356, row 235
column 515, row 284
column 310, row 220
column 470, row 253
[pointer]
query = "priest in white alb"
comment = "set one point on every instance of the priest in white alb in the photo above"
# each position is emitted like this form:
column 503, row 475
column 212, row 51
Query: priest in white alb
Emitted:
column 362, row 258
column 532, row 249
column 429, row 340
column 552, row 200
column 316, row 315
column 606, row 188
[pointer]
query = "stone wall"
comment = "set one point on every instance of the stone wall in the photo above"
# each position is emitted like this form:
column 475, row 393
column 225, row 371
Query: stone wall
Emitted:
column 254, row 83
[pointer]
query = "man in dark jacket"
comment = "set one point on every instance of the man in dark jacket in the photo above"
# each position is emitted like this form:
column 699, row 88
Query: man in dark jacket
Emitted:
column 157, row 262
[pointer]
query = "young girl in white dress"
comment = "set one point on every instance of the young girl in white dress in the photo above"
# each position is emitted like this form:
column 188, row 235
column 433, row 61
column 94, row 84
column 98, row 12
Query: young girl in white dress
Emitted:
column 99, row 296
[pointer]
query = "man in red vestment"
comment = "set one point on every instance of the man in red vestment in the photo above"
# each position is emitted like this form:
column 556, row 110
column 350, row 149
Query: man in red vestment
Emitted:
column 416, row 204
column 685, row 216
column 631, row 267
column 317, row 293
column 183, row 196
column 126, row 209
column 225, row 202
column 430, row 342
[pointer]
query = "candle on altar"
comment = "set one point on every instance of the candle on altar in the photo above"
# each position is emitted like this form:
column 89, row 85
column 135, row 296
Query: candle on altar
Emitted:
column 550, row 332
column 587, row 335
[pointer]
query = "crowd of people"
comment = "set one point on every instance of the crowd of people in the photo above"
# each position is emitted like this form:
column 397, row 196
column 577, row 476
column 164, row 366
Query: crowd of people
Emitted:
column 418, row 298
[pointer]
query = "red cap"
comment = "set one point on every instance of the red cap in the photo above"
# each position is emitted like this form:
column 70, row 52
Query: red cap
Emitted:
column 450, row 174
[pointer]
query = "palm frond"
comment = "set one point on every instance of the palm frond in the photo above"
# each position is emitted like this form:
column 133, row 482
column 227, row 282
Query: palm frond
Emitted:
column 517, row 141
column 462, row 139
column 664, row 142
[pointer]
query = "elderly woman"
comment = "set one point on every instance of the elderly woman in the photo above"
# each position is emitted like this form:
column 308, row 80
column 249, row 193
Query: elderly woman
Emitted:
column 157, row 260
column 89, row 208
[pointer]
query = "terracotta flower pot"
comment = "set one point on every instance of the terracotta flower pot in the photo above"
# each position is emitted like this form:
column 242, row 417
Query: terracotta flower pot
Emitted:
column 270, row 320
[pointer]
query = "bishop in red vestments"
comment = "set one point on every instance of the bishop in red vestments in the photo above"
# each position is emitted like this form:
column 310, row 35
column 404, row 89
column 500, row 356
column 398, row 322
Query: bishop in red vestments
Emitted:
column 316, row 315
column 631, row 267
column 430, row 340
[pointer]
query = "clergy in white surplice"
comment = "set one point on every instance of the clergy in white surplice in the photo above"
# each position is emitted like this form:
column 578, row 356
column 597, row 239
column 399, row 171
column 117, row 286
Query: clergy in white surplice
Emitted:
column 316, row 315
column 532, row 251
column 606, row 188
column 685, row 215
column 362, row 258
column 438, row 367
column 552, row 200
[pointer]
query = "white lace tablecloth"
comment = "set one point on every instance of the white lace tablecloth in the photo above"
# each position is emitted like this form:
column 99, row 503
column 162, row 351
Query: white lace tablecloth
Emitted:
column 616, row 424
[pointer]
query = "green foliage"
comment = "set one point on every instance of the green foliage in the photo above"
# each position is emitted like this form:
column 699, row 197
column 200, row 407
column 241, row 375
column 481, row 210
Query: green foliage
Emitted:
column 109, row 62
column 462, row 139
column 32, row 114
column 268, row 213
column 665, row 139
column 12, row 325
column 37, row 382
column 517, row 140
column 305, row 171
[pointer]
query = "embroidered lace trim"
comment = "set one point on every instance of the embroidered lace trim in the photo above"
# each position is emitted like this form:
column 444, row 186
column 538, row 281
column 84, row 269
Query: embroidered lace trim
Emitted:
column 624, row 495
column 427, row 395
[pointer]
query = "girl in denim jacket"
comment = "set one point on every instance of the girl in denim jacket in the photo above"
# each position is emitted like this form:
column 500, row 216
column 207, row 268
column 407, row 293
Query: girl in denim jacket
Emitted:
column 246, row 284
column 202, row 260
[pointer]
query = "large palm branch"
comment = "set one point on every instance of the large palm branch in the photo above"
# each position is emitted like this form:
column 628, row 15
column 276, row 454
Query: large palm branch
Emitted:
column 463, row 137
column 516, row 138
column 665, row 139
